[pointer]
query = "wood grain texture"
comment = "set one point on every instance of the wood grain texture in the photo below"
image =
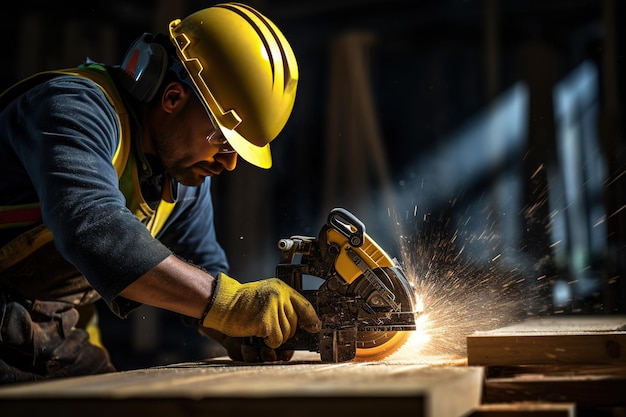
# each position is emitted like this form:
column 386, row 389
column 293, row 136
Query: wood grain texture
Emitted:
column 568, row 359
column 585, row 391
column 596, row 340
column 525, row 409
column 286, row 389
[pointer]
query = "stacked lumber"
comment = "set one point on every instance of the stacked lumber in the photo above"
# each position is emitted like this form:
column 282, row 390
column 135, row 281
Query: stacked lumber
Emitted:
column 569, row 359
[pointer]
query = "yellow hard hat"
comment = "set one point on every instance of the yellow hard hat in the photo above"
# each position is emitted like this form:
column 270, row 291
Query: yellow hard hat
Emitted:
column 244, row 71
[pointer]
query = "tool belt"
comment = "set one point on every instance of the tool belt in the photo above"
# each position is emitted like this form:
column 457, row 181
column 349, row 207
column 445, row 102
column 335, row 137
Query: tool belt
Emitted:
column 39, row 340
column 41, row 330
column 45, row 274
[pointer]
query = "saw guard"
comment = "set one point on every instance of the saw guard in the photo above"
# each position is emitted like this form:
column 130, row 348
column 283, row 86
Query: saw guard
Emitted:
column 369, row 251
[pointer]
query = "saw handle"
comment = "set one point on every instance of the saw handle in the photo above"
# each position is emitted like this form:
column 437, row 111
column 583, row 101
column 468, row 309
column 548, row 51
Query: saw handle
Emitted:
column 348, row 225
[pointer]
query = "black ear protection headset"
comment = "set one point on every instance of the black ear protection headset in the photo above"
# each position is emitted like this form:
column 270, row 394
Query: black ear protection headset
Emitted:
column 145, row 65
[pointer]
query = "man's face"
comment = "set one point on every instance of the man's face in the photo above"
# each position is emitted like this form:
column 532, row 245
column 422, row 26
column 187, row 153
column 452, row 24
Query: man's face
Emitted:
column 183, row 146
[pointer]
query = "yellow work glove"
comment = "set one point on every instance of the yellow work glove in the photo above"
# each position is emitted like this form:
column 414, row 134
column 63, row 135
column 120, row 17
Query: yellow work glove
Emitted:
column 269, row 309
column 238, row 350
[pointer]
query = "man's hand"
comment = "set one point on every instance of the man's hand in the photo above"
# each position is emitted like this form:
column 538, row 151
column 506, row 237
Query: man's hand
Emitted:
column 269, row 309
column 238, row 350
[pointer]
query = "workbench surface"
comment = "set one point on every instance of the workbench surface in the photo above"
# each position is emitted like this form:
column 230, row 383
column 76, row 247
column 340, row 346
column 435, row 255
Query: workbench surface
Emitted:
column 221, row 387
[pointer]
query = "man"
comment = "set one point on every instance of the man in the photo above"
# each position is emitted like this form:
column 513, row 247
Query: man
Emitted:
column 105, row 191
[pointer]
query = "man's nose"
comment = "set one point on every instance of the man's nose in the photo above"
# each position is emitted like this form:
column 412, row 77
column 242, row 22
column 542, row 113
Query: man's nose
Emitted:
column 228, row 160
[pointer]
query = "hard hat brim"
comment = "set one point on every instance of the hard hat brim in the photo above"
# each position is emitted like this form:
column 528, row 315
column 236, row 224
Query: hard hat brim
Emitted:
column 259, row 156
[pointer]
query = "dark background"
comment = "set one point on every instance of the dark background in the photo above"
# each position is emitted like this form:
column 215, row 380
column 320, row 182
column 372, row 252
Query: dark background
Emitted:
column 392, row 122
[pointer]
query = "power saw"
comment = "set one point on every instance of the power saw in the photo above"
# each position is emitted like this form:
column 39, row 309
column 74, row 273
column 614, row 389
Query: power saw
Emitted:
column 365, row 301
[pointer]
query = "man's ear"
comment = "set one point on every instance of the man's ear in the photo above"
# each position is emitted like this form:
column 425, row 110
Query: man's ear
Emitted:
column 175, row 96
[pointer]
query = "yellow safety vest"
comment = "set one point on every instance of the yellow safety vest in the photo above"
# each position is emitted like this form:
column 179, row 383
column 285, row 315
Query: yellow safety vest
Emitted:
column 123, row 161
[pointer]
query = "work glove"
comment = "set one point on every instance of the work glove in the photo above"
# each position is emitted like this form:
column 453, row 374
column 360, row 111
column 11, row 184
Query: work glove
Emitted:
column 269, row 309
column 240, row 349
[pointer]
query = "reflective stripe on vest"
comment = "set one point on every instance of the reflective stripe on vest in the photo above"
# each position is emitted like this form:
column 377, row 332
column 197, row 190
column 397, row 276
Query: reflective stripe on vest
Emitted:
column 19, row 215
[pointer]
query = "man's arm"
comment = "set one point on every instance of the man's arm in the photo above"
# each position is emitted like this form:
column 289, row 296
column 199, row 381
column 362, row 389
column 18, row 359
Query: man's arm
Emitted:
column 174, row 285
column 269, row 309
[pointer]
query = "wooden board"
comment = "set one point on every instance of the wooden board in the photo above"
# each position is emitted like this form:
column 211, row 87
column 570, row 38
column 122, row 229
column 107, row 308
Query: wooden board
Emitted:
column 573, row 359
column 586, row 391
column 525, row 409
column 221, row 387
column 589, row 340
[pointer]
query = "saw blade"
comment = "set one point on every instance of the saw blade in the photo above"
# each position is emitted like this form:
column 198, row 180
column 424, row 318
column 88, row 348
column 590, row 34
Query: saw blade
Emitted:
column 374, row 346
column 384, row 326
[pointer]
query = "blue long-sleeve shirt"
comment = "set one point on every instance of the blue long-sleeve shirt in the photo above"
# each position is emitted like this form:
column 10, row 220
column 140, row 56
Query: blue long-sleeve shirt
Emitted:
column 57, row 141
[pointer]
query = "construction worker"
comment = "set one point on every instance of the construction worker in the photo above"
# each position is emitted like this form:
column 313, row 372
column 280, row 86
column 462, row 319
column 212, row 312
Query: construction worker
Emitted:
column 105, row 192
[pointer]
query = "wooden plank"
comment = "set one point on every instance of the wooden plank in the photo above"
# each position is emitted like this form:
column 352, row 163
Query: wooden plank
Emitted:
column 588, row 340
column 554, row 370
column 586, row 391
column 525, row 409
column 285, row 389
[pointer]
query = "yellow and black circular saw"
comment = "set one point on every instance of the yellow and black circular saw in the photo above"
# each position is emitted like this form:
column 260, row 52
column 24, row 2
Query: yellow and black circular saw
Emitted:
column 365, row 301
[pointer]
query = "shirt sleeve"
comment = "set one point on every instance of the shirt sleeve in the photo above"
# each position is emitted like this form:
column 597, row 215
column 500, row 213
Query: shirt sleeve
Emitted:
column 190, row 230
column 65, row 133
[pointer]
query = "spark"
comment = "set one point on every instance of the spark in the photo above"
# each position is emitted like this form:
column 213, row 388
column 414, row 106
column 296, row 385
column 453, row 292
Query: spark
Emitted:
column 455, row 295
column 537, row 171
column 617, row 211
column 600, row 221
column 608, row 184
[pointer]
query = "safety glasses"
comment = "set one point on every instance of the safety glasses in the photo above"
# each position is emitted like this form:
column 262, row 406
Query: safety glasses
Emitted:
column 216, row 138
